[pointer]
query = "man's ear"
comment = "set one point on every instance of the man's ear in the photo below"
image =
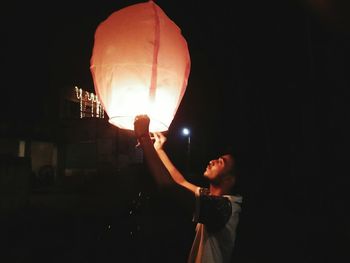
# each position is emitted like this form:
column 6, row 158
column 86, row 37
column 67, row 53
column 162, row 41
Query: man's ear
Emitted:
column 230, row 180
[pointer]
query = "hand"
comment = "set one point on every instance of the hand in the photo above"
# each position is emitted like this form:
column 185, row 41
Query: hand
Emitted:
column 141, row 126
column 159, row 140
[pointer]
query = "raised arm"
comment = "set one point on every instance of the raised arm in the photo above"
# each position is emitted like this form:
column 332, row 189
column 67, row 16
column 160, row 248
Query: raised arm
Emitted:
column 160, row 139
column 158, row 170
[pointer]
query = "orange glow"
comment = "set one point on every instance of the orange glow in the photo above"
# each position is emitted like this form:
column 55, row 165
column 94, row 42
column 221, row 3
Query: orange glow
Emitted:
column 140, row 65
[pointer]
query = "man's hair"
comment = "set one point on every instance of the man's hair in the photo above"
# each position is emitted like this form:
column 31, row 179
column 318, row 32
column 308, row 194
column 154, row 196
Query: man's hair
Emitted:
column 235, row 155
column 233, row 169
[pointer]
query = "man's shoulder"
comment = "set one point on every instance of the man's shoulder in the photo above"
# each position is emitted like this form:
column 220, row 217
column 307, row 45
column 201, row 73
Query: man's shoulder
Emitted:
column 236, row 198
column 236, row 202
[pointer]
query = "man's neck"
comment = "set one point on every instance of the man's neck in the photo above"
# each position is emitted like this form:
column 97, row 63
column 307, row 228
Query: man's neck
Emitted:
column 216, row 190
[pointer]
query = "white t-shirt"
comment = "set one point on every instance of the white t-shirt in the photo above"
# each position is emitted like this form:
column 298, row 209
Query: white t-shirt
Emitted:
column 217, row 219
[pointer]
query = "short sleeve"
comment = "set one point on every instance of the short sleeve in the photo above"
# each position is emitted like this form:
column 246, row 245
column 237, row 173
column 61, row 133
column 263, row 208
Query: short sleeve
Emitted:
column 212, row 211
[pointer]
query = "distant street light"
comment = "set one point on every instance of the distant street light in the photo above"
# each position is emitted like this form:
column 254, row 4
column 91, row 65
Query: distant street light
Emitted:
column 186, row 132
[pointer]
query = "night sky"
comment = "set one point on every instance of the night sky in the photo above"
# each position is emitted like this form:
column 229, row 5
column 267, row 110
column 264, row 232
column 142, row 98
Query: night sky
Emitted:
column 266, row 50
column 269, row 79
column 237, row 51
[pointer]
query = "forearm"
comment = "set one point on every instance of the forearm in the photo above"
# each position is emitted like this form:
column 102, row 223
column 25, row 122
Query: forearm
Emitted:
column 175, row 174
column 158, row 170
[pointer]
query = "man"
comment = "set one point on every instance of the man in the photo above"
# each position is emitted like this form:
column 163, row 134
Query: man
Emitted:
column 214, row 209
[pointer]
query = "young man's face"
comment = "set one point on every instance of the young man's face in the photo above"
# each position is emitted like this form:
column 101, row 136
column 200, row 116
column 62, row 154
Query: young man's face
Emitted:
column 218, row 167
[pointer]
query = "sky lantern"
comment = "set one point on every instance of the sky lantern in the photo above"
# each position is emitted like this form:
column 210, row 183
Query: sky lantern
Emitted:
column 140, row 65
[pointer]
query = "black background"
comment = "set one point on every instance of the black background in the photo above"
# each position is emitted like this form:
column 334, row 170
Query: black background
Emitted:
column 268, row 78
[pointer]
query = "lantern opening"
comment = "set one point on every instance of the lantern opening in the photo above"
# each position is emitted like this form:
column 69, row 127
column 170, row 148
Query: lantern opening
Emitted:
column 125, row 122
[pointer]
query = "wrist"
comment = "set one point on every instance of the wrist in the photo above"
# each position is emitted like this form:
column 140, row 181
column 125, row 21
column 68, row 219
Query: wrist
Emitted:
column 159, row 149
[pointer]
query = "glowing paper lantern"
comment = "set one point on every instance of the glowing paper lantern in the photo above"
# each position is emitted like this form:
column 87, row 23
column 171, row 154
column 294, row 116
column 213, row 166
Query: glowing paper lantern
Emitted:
column 140, row 65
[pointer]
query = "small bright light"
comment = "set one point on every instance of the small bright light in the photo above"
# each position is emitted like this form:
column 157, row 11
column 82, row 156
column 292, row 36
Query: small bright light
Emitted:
column 185, row 131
